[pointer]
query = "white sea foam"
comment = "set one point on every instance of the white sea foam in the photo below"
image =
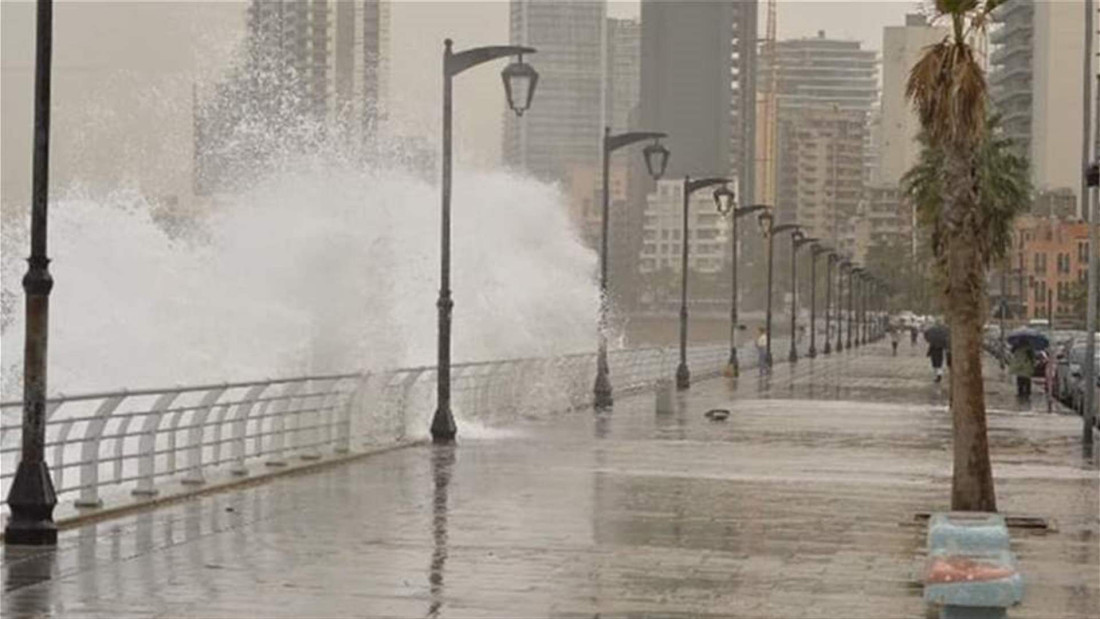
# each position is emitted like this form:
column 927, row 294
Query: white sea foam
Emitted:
column 322, row 267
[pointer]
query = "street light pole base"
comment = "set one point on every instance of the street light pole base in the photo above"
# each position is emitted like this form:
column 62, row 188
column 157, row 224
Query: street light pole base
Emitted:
column 683, row 377
column 443, row 427
column 602, row 392
column 31, row 501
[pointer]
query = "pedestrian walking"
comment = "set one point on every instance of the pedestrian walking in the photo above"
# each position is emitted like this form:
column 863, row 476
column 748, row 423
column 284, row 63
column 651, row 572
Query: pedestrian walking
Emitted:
column 762, row 351
column 1022, row 366
column 895, row 337
column 913, row 335
column 935, row 354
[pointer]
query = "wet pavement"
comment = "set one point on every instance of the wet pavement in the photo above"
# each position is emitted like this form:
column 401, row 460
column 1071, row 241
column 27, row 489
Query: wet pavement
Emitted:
column 804, row 503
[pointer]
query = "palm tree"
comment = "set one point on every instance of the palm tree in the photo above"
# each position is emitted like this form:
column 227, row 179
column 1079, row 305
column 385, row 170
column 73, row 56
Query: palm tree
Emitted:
column 958, row 187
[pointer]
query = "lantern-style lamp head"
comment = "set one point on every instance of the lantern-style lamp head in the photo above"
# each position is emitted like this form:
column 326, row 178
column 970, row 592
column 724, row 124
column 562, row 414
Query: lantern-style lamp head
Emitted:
column 724, row 200
column 765, row 221
column 656, row 159
column 520, row 79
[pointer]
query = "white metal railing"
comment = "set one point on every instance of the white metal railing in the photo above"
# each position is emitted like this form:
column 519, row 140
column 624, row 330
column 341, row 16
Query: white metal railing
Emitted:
column 143, row 438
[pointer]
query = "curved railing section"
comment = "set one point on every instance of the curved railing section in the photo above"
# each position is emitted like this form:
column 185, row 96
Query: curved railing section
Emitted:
column 142, row 439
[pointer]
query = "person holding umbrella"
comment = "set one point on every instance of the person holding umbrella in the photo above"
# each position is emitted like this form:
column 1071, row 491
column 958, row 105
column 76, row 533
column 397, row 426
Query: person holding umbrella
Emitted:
column 1022, row 365
column 1024, row 345
column 938, row 338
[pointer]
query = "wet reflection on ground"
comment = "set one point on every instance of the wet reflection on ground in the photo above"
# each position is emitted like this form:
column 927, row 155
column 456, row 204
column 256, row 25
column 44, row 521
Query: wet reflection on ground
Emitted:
column 800, row 504
column 443, row 459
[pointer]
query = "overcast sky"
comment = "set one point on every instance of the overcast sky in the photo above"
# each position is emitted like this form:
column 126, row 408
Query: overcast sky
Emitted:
column 137, row 43
column 419, row 26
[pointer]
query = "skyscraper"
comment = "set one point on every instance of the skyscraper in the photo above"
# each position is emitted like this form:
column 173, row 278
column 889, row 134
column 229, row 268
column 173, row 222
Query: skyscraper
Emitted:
column 309, row 64
column 826, row 90
column 623, row 71
column 822, row 73
column 697, row 84
column 1035, row 84
column 902, row 46
column 563, row 128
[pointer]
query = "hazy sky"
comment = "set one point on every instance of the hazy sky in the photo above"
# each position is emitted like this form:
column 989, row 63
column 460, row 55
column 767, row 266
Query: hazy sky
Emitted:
column 418, row 28
column 105, row 50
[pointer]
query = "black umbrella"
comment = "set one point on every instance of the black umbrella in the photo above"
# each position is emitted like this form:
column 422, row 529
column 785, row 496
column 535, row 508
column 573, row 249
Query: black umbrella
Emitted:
column 937, row 335
column 1037, row 340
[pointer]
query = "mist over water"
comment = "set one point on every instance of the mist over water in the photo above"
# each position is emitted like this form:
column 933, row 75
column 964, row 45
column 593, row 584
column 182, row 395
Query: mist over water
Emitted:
column 322, row 267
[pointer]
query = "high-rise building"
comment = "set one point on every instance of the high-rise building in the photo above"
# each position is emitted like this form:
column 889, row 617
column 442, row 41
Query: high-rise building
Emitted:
column 902, row 47
column 698, row 85
column 1035, row 84
column 820, row 181
column 826, row 92
column 662, row 247
column 310, row 63
column 563, row 128
column 623, row 71
column 690, row 51
column 822, row 73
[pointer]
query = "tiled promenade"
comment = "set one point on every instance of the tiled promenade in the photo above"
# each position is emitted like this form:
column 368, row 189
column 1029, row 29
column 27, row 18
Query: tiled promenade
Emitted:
column 802, row 504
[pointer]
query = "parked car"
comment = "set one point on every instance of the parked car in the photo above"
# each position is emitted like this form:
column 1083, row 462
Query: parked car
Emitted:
column 1075, row 388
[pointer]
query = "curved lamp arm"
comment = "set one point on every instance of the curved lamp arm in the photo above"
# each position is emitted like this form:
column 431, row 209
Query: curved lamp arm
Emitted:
column 748, row 210
column 806, row 240
column 455, row 63
column 691, row 186
column 612, row 143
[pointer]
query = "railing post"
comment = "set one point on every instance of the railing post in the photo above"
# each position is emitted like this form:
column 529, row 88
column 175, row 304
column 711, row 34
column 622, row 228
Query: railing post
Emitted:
column 239, row 427
column 194, row 437
column 308, row 447
column 147, row 445
column 89, row 452
column 278, row 424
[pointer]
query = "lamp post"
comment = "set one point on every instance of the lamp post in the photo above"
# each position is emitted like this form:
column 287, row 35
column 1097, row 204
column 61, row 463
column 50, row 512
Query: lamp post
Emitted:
column 797, row 241
column 724, row 195
column 31, row 497
column 869, row 311
column 769, row 229
column 656, row 159
column 520, row 80
column 830, row 259
column 843, row 265
column 852, row 275
column 1090, row 369
column 861, row 308
column 815, row 251
column 683, row 374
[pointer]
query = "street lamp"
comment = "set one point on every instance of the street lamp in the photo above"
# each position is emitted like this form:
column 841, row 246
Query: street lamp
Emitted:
column 797, row 240
column 725, row 200
column 861, row 288
column 831, row 259
column 31, row 497
column 683, row 374
column 519, row 85
column 843, row 265
column 656, row 159
column 815, row 251
column 769, row 229
column 853, row 276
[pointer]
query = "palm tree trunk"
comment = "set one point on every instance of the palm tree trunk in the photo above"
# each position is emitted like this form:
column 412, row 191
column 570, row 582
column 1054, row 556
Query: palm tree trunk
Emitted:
column 972, row 477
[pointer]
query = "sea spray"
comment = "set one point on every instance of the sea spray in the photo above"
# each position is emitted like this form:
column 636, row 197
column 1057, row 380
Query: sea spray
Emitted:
column 324, row 268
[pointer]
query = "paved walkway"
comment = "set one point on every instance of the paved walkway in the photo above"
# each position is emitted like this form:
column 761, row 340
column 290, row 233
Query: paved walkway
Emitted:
column 803, row 504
